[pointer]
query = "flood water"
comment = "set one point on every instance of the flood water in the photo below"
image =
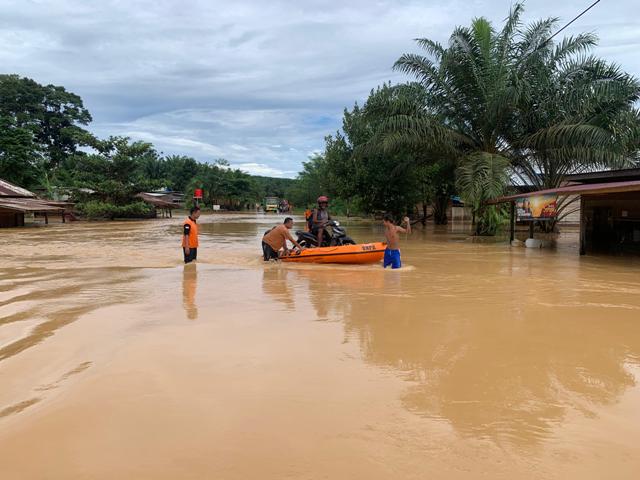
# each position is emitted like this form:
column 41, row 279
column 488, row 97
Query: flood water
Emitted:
column 474, row 361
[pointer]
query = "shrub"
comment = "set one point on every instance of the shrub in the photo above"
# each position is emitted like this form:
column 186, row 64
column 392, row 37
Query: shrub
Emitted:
column 492, row 219
column 96, row 209
column 136, row 210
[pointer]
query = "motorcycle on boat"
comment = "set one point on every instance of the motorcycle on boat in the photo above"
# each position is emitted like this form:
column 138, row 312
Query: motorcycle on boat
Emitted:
column 334, row 235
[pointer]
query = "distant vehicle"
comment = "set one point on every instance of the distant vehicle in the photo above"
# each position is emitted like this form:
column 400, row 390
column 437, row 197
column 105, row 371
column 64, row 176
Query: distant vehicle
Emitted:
column 284, row 206
column 271, row 204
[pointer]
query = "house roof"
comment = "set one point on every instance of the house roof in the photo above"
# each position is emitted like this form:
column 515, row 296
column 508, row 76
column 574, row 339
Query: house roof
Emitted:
column 29, row 205
column 584, row 189
column 626, row 174
column 161, row 201
column 10, row 190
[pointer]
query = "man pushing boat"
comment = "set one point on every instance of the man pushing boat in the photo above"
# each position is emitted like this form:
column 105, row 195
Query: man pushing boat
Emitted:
column 274, row 242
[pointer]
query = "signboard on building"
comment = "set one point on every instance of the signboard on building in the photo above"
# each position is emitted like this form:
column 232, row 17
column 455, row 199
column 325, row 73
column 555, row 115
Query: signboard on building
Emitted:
column 536, row 207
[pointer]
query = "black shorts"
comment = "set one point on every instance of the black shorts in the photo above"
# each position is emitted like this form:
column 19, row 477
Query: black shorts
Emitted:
column 193, row 254
column 269, row 253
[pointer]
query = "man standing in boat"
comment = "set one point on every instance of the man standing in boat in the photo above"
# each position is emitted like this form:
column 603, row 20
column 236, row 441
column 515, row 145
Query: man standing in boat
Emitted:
column 275, row 240
column 190, row 235
column 320, row 218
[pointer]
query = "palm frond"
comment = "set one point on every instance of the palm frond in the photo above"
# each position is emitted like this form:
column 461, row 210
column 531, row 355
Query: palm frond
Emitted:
column 432, row 47
column 569, row 46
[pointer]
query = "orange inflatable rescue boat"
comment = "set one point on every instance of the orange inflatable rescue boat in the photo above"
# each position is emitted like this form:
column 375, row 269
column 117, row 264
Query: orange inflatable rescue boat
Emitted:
column 352, row 254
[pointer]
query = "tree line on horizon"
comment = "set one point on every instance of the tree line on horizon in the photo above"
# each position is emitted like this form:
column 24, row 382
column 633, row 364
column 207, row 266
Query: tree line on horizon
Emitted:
column 45, row 146
column 489, row 110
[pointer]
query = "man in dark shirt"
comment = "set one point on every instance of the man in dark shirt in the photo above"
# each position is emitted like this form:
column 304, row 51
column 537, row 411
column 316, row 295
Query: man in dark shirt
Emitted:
column 320, row 218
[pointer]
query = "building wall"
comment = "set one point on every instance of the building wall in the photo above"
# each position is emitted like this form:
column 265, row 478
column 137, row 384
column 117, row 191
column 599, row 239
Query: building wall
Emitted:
column 573, row 218
column 612, row 223
column 11, row 218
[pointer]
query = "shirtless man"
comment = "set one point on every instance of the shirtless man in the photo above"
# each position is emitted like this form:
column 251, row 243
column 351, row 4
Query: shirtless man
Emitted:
column 391, row 232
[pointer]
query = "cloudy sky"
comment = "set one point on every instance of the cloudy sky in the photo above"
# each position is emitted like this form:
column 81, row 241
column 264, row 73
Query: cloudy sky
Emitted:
column 258, row 83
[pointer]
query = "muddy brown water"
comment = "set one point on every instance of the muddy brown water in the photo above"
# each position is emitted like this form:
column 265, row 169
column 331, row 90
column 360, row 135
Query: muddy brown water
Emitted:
column 474, row 361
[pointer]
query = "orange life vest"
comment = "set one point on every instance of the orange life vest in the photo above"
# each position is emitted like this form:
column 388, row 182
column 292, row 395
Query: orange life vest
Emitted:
column 193, row 233
column 307, row 215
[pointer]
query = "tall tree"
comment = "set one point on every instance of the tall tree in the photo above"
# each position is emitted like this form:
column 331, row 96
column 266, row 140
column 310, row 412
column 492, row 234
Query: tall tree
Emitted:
column 41, row 126
column 180, row 170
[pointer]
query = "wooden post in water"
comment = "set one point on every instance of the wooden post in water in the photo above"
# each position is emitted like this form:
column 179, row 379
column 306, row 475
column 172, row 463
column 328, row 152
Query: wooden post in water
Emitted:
column 531, row 228
column 46, row 218
column 583, row 227
column 512, row 222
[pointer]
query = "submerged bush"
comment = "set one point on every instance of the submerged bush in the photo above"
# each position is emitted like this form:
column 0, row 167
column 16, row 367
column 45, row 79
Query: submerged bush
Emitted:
column 96, row 209
column 136, row 210
column 491, row 221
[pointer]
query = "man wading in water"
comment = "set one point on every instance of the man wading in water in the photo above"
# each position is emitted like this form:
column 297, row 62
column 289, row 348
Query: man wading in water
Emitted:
column 190, row 235
column 276, row 239
column 391, row 231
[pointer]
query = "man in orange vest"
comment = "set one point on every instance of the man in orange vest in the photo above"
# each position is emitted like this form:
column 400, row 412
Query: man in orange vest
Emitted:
column 190, row 235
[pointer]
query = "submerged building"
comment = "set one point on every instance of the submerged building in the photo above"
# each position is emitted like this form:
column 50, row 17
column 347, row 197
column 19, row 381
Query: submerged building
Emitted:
column 608, row 213
column 16, row 201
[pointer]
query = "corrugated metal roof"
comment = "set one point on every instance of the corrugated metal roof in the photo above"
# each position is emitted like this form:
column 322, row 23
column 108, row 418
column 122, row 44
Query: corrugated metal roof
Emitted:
column 626, row 174
column 586, row 189
column 29, row 205
column 162, row 201
column 10, row 190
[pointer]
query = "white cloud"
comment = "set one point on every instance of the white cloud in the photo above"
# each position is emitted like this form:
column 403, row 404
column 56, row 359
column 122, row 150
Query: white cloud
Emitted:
column 264, row 170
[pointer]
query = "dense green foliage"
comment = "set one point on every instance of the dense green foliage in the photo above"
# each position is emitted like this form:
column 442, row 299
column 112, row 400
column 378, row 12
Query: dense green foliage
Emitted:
column 96, row 209
column 481, row 177
column 273, row 187
column 513, row 98
column 366, row 179
column 43, row 146
column 39, row 127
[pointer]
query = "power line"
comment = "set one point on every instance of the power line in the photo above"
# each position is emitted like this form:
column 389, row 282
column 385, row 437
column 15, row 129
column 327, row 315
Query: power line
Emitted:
column 544, row 44
column 576, row 18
